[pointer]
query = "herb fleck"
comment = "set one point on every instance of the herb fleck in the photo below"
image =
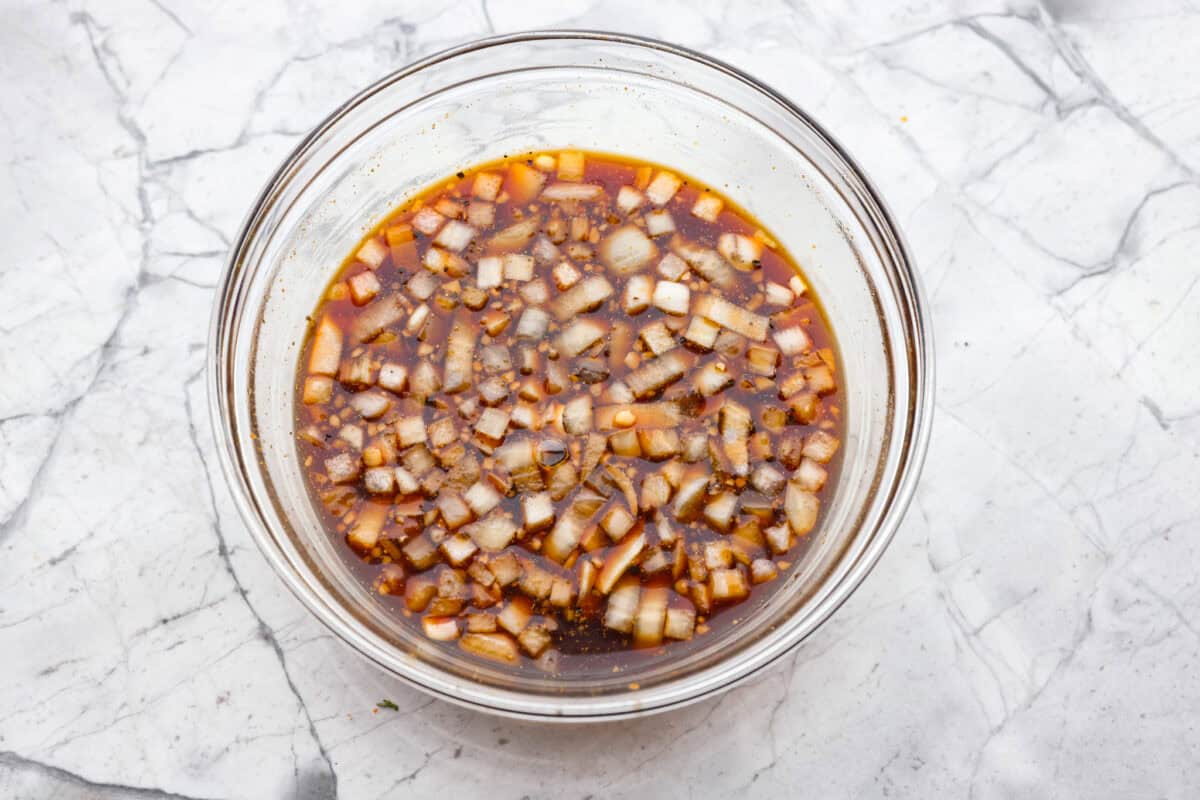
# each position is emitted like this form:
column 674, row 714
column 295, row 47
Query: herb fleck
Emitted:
column 388, row 704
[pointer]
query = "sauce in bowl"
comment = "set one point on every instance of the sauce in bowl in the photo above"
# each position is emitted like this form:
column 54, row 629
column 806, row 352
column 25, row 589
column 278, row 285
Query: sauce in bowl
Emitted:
column 568, row 409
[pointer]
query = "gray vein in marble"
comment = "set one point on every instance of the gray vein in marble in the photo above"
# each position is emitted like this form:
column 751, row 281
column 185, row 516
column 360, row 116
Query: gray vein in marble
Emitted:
column 328, row 786
column 66, row 784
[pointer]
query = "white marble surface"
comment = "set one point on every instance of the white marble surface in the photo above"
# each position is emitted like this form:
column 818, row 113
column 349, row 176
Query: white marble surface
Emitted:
column 1033, row 630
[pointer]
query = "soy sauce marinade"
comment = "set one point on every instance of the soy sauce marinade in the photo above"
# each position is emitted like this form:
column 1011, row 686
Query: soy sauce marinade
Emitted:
column 567, row 409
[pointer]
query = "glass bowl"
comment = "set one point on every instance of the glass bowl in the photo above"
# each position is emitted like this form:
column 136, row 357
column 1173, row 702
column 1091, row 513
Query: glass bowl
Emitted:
column 600, row 92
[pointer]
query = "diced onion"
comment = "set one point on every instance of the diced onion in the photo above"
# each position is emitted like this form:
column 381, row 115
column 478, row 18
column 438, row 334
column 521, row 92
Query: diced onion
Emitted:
column 622, row 605
column 741, row 251
column 627, row 249
column 663, row 187
column 672, row 298
column 582, row 297
column 792, row 341
column 659, row 222
column 629, row 198
column 442, row 629
column 735, row 318
column 365, row 532
column 651, row 616
column 486, row 185
column 801, row 508
column 638, row 291
column 708, row 207
column 460, row 355
column 493, row 533
column 455, row 235
column 326, row 352
column 572, row 191
column 495, row 646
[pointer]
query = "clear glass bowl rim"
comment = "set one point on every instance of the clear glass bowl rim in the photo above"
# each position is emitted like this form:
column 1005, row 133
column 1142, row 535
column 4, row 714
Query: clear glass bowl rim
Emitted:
column 917, row 346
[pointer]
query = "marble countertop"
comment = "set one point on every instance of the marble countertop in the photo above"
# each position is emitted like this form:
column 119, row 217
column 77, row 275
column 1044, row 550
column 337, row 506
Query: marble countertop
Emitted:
column 1032, row 631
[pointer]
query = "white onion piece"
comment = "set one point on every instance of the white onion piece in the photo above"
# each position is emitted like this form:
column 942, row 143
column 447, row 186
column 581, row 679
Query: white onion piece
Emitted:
column 659, row 222
column 326, row 352
column 584, row 296
column 763, row 570
column 648, row 415
column 393, row 377
column 427, row 221
column 728, row 584
column 371, row 321
column 622, row 605
column 820, row 446
column 680, row 623
column 486, row 185
column 702, row 332
column 495, row 646
column 573, row 191
column 657, row 338
column 708, row 207
column 379, row 480
column 739, row 250
column 777, row 295
column 735, row 318
column 455, row 236
column 713, row 378
column 767, row 479
column 672, row 267
column 617, row 522
column 658, row 373
column 792, row 341
column 719, row 511
column 809, row 476
column 627, row 249
column 581, row 335
column 493, row 533
column 518, row 267
column 533, row 324
column 405, row 482
column 651, row 616
column 492, row 425
column 663, row 187
column 489, row 272
column 571, row 165
column 538, row 510
column 779, row 538
column 364, row 533
column 577, row 415
column 638, row 291
column 317, row 389
column 619, row 559
column 442, row 629
column 672, row 298
column 343, row 468
column 417, row 320
column 569, row 529
column 706, row 263
column 370, row 405
column 629, row 198
column 481, row 498
column 801, row 508
column 481, row 214
column 515, row 236
column 460, row 353
column 363, row 287
column 690, row 496
column 372, row 253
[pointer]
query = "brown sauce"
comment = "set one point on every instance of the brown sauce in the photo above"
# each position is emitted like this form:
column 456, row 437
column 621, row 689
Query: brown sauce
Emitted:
column 530, row 381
